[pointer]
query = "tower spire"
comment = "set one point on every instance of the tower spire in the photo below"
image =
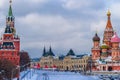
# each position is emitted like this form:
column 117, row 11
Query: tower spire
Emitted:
column 109, row 32
column 50, row 52
column 10, row 9
column 10, row 18
column 109, row 25
column 50, row 49
column 44, row 52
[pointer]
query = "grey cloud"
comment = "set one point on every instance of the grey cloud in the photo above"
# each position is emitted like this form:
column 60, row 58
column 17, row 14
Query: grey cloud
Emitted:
column 52, row 22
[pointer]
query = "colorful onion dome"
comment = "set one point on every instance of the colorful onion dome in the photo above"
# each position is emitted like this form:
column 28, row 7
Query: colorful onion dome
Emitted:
column 115, row 38
column 104, row 46
column 96, row 38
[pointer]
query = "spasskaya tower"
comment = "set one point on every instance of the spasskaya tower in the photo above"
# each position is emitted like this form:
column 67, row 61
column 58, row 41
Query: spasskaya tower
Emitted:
column 10, row 41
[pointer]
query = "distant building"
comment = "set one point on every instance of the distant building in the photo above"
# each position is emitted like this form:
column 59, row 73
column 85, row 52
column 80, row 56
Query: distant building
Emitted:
column 70, row 62
column 10, row 41
column 34, row 62
column 106, row 57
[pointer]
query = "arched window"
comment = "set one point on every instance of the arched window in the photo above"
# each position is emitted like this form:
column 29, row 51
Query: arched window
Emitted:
column 8, row 19
column 11, row 19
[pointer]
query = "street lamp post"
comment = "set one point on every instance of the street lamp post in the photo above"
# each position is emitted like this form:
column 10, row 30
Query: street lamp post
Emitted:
column 90, row 64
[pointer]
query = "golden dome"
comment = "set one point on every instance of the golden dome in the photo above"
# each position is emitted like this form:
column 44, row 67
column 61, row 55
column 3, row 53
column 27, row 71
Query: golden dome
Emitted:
column 108, row 13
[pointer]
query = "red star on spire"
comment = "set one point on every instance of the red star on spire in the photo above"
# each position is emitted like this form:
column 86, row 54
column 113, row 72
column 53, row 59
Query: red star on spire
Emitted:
column 10, row 1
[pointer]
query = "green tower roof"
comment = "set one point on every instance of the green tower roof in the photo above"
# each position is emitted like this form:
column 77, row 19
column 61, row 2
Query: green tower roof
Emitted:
column 10, row 11
column 70, row 53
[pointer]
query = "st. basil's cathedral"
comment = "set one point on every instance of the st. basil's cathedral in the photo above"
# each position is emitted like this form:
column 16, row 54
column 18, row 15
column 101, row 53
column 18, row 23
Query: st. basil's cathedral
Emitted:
column 106, row 57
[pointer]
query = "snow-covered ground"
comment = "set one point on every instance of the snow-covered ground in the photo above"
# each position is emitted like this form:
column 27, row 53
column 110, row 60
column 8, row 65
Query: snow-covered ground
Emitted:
column 54, row 75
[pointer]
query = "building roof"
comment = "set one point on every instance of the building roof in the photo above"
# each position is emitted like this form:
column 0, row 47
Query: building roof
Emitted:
column 61, row 57
column 96, row 38
column 49, row 53
column 108, row 13
column 10, row 9
column 104, row 46
column 70, row 53
column 109, row 25
column 35, row 59
column 115, row 38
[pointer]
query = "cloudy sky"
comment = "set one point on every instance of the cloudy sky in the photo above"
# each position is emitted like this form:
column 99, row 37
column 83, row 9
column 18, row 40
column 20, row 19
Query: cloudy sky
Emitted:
column 63, row 24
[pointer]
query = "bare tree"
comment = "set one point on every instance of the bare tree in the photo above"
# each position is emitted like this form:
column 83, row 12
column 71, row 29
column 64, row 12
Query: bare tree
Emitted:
column 6, row 69
column 24, row 59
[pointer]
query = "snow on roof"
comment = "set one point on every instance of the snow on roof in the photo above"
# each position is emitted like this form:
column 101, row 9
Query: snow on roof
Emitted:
column 108, row 58
column 98, row 61
column 73, row 56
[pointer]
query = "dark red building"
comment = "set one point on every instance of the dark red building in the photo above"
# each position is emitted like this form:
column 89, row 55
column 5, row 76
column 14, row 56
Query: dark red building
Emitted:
column 10, row 41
